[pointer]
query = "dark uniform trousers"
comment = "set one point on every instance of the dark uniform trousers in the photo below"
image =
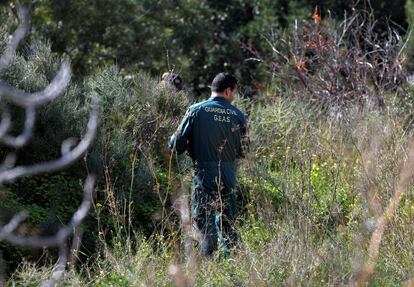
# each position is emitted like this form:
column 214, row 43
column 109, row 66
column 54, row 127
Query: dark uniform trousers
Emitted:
column 213, row 205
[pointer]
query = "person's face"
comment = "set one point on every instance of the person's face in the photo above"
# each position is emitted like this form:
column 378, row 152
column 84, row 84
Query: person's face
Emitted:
column 230, row 94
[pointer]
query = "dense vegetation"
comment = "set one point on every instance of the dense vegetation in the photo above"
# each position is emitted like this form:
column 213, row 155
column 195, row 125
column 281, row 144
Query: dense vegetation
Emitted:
column 330, row 126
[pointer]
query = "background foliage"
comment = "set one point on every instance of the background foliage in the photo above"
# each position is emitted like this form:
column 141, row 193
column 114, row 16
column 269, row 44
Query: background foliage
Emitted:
column 197, row 38
column 304, row 190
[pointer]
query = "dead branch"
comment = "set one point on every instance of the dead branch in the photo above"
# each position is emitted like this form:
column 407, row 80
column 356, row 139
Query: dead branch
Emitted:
column 52, row 91
column 60, row 237
column 337, row 65
column 6, row 230
column 65, row 160
column 16, row 38
column 24, row 137
column 70, row 153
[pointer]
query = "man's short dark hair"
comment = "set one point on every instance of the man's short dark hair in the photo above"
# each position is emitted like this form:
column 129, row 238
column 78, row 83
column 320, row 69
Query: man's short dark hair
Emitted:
column 223, row 81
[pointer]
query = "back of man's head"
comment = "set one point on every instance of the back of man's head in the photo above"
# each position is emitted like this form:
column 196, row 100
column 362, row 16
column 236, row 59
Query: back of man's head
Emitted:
column 223, row 81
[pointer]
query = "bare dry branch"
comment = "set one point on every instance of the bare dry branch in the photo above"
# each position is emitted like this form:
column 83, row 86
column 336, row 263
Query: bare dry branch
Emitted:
column 60, row 268
column 52, row 91
column 59, row 239
column 66, row 159
column 337, row 65
column 8, row 162
column 16, row 38
column 25, row 136
column 5, row 121
column 64, row 233
column 61, row 236
column 6, row 230
column 76, row 242
column 70, row 149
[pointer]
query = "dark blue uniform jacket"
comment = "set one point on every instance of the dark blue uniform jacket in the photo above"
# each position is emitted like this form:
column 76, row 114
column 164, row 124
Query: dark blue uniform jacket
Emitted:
column 212, row 133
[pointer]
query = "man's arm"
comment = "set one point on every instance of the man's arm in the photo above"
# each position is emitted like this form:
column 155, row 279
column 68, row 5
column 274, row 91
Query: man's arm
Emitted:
column 180, row 141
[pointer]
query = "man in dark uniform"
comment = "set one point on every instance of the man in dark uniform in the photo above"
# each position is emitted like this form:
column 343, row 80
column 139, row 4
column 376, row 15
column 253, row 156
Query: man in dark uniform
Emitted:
column 212, row 133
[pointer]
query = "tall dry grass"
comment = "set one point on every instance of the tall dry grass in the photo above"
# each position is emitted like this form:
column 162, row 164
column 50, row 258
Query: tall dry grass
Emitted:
column 325, row 195
column 312, row 194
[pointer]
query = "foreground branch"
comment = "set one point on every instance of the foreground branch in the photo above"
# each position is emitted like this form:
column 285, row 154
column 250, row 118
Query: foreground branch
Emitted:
column 406, row 176
column 70, row 153
column 59, row 239
column 67, row 158
column 15, row 39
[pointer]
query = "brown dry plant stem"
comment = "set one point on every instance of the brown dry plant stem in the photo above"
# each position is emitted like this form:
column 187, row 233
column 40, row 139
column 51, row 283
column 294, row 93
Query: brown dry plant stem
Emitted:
column 131, row 188
column 189, row 233
column 409, row 283
column 406, row 176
